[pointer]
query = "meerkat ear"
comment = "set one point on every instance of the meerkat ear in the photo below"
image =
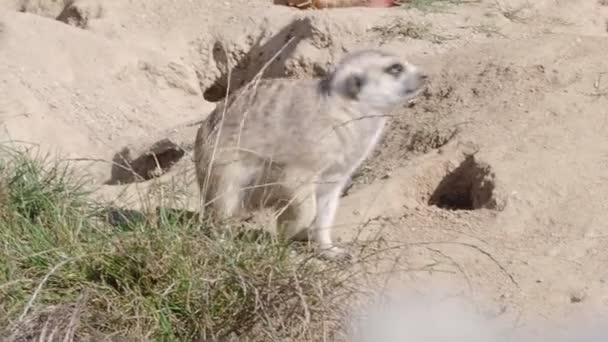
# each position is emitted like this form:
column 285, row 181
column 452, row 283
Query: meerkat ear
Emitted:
column 352, row 86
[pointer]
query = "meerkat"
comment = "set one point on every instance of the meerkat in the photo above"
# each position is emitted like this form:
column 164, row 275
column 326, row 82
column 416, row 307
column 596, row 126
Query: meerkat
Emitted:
column 293, row 144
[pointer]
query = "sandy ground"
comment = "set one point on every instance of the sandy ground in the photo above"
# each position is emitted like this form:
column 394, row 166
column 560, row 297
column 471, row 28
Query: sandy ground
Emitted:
column 512, row 129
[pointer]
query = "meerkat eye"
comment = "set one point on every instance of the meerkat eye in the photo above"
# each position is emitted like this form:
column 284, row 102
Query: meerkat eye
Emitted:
column 395, row 69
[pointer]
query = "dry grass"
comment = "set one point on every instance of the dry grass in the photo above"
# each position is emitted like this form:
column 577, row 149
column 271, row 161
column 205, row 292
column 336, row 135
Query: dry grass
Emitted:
column 67, row 274
column 516, row 14
column 407, row 29
column 427, row 5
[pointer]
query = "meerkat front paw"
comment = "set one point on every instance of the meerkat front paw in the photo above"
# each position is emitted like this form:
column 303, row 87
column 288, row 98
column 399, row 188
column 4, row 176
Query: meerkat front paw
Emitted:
column 334, row 253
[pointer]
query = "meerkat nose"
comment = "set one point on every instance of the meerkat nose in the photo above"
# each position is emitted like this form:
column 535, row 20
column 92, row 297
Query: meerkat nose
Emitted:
column 423, row 76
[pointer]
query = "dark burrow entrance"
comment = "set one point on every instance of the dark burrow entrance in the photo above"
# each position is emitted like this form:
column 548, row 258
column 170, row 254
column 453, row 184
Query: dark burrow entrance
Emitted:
column 151, row 163
column 468, row 187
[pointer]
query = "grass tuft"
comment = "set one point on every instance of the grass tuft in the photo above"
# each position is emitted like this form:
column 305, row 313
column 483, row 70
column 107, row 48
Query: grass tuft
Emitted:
column 67, row 273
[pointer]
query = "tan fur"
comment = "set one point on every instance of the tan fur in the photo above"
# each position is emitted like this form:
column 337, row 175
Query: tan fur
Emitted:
column 293, row 144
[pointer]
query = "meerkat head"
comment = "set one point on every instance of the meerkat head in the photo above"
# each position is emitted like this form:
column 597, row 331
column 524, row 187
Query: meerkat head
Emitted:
column 376, row 79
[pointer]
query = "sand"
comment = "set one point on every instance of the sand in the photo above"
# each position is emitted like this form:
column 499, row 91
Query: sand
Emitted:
column 511, row 131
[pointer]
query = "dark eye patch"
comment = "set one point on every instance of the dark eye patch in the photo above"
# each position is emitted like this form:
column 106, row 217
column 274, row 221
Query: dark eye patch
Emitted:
column 353, row 85
column 395, row 69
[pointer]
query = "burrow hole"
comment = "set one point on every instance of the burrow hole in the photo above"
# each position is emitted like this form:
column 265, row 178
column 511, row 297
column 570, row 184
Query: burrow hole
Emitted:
column 151, row 163
column 468, row 187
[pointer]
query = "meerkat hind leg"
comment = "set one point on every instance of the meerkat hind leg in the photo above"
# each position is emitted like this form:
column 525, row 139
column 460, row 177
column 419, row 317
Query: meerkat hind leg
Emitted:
column 229, row 192
column 298, row 215
column 298, row 207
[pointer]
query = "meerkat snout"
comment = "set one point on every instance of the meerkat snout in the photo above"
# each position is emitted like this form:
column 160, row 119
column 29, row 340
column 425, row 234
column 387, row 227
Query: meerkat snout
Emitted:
column 414, row 82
